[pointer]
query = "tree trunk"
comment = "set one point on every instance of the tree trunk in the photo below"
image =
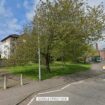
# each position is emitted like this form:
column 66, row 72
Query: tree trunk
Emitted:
column 47, row 58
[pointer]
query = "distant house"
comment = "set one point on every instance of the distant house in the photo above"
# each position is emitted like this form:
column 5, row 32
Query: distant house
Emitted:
column 7, row 46
column 102, row 54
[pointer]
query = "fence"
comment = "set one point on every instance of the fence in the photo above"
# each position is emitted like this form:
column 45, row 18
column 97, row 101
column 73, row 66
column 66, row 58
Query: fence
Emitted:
column 7, row 80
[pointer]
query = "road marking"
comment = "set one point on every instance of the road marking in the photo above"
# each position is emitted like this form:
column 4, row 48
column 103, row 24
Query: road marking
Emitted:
column 31, row 100
column 58, row 90
column 65, row 87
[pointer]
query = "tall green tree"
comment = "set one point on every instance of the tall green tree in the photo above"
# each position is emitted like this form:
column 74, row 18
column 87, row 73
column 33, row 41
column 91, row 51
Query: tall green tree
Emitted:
column 65, row 28
column 25, row 49
column 67, row 25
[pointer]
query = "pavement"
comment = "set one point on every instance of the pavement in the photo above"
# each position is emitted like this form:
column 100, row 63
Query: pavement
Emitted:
column 23, row 95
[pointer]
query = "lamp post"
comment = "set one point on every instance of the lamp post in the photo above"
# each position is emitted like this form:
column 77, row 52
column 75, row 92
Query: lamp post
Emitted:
column 39, row 60
column 39, row 55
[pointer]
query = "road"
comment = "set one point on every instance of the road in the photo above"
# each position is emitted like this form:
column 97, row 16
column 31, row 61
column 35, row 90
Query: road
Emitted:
column 85, row 92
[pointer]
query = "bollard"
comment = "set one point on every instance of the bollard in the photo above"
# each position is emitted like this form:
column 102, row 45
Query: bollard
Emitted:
column 5, row 82
column 21, row 80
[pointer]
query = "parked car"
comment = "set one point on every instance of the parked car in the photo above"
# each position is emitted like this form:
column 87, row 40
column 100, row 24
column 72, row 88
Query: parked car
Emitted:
column 96, row 59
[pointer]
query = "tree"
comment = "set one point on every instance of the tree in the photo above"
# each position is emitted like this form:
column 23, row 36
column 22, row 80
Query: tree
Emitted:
column 88, row 52
column 66, row 23
column 25, row 49
column 66, row 29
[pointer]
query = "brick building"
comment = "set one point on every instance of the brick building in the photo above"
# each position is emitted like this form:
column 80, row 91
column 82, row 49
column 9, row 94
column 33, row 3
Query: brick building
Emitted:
column 102, row 54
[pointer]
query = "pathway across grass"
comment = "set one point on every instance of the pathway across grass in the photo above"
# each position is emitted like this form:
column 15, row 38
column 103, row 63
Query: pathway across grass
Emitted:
column 57, row 69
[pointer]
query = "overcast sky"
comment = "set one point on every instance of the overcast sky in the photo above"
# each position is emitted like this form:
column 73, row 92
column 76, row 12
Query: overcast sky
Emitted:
column 14, row 14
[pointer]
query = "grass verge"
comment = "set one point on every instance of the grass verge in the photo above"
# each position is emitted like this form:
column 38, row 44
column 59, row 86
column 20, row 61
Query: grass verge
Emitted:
column 57, row 69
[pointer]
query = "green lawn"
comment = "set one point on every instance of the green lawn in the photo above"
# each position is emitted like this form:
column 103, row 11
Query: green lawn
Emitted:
column 57, row 69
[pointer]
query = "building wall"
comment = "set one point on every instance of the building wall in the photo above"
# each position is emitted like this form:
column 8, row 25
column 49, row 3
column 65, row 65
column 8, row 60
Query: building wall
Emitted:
column 5, row 48
column 102, row 54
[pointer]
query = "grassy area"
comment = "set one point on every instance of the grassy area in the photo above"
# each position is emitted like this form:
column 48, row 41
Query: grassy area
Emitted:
column 58, row 69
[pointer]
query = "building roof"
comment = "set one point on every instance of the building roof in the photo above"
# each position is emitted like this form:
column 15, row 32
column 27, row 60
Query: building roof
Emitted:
column 13, row 36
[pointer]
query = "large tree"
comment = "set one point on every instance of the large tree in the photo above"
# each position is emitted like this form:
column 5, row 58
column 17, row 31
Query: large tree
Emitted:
column 25, row 49
column 66, row 28
column 68, row 24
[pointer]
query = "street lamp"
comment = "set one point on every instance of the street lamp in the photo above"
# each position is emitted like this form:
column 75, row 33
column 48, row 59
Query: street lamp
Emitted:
column 39, row 60
column 39, row 54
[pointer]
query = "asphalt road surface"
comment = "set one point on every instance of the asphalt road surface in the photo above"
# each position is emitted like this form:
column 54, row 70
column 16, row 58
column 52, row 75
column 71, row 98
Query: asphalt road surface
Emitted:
column 85, row 92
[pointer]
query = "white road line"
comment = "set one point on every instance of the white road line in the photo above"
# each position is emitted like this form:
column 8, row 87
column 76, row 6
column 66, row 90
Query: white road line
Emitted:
column 79, row 82
column 72, row 84
column 65, row 87
column 31, row 100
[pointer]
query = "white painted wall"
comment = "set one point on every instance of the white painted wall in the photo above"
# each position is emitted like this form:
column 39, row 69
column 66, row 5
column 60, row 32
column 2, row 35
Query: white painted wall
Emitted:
column 5, row 49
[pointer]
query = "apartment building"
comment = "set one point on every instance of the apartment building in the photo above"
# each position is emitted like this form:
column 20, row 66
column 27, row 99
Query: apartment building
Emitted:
column 7, row 46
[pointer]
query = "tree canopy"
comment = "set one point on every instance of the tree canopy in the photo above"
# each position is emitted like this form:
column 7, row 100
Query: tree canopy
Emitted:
column 66, row 28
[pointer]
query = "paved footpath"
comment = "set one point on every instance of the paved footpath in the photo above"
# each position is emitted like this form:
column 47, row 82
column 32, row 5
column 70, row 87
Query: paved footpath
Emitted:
column 19, row 95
